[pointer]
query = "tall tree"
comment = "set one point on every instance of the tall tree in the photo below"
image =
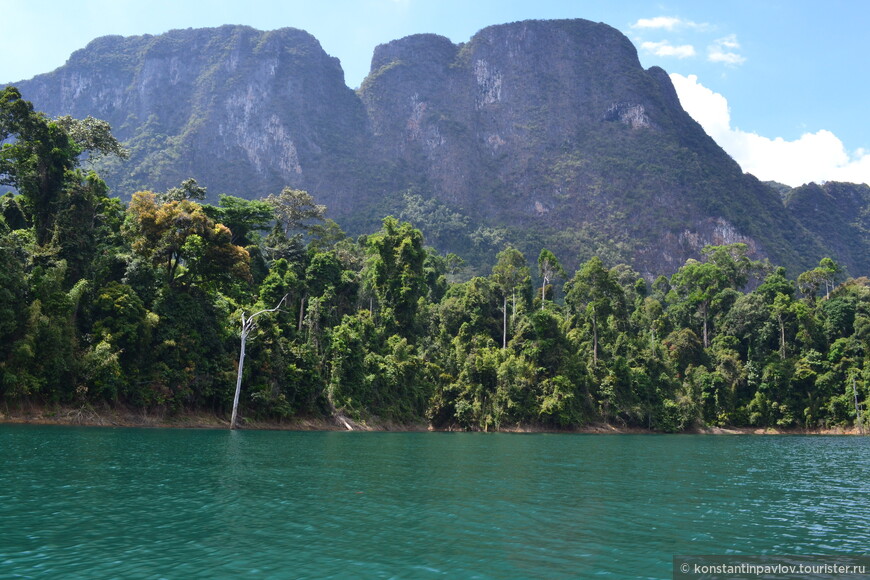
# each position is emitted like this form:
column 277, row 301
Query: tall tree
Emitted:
column 697, row 285
column 248, row 325
column 295, row 209
column 594, row 294
column 733, row 262
column 509, row 273
column 39, row 156
column 93, row 136
column 396, row 271
column 548, row 268
column 244, row 217
column 831, row 271
column 180, row 239
column 189, row 189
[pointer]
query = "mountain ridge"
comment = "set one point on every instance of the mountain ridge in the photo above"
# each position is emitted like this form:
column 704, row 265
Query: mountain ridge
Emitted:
column 540, row 133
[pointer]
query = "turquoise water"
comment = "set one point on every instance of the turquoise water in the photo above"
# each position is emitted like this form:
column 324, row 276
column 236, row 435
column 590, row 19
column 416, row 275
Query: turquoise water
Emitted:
column 138, row 503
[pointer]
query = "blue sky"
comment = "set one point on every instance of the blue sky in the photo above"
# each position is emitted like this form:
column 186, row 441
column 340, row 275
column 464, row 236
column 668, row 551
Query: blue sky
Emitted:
column 780, row 84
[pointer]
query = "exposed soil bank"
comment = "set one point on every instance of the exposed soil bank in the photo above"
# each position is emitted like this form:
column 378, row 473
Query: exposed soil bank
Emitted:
column 106, row 416
column 122, row 417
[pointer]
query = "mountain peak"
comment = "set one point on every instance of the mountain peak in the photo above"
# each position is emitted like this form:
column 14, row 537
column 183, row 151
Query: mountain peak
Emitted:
column 537, row 133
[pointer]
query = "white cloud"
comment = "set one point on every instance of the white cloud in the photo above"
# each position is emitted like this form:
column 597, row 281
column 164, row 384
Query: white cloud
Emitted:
column 819, row 156
column 722, row 50
column 729, row 41
column 725, row 57
column 665, row 48
column 665, row 23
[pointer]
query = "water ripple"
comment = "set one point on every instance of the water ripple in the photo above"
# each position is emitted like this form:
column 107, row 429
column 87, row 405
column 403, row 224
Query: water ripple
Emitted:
column 202, row 504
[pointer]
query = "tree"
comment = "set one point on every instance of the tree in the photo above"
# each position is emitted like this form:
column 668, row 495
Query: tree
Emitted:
column 396, row 271
column 295, row 209
column 13, row 302
column 696, row 285
column 179, row 238
column 120, row 318
column 810, row 281
column 41, row 156
column 832, row 270
column 783, row 309
column 548, row 268
column 189, row 189
column 733, row 262
column 509, row 272
column 326, row 235
column 455, row 264
column 594, row 294
column 78, row 224
column 248, row 324
column 827, row 273
column 93, row 136
column 36, row 162
column 242, row 216
column 323, row 277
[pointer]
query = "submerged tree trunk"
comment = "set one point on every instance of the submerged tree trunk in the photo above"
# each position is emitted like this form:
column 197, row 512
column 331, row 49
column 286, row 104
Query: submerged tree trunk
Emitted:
column 239, row 377
column 247, row 326
column 858, row 419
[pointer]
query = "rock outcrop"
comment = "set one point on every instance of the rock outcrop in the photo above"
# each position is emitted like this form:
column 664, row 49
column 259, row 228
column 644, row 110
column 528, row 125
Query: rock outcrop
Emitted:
column 538, row 133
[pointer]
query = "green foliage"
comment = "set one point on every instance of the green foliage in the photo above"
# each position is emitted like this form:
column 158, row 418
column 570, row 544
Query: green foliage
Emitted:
column 180, row 239
column 140, row 306
column 396, row 270
column 189, row 189
column 549, row 268
column 295, row 209
column 41, row 158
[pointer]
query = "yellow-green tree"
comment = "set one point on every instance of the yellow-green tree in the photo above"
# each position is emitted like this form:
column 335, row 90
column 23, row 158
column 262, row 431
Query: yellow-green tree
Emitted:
column 184, row 243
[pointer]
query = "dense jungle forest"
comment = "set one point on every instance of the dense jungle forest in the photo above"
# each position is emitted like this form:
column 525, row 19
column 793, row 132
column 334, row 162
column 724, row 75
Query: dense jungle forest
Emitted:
column 140, row 305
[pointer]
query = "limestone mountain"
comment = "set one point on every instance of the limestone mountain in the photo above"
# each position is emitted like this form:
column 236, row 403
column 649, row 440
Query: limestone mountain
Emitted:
column 839, row 215
column 245, row 112
column 537, row 133
column 553, row 130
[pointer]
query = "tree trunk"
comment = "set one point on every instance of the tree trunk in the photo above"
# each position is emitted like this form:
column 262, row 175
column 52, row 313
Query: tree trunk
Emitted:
column 594, row 341
column 543, row 292
column 504, row 324
column 239, row 378
column 247, row 326
column 781, row 337
column 858, row 419
column 704, row 312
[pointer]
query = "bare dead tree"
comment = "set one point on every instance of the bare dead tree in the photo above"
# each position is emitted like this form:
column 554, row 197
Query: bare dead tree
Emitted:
column 859, row 421
column 248, row 324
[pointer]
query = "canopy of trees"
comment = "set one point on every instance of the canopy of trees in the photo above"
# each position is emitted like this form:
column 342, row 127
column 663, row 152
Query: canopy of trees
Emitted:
column 140, row 304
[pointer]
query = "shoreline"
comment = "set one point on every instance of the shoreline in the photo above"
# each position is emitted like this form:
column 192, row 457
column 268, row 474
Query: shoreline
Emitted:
column 125, row 418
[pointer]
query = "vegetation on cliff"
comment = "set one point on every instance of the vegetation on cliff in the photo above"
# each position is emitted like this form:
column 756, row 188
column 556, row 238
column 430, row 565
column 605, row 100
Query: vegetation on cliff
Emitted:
column 141, row 304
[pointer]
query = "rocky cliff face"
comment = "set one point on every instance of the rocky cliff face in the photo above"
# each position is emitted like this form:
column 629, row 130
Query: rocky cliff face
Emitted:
column 555, row 129
column 243, row 111
column 539, row 133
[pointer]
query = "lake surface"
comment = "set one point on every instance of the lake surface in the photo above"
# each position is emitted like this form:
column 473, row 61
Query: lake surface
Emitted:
column 140, row 503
